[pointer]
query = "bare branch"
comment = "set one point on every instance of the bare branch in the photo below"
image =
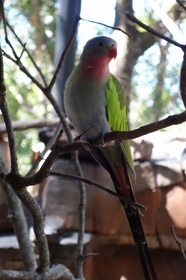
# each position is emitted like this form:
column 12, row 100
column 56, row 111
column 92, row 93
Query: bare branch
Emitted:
column 37, row 215
column 55, row 272
column 109, row 26
column 178, row 242
column 91, row 182
column 183, row 79
column 48, row 147
column 58, row 150
column 18, row 222
column 7, row 120
column 146, row 129
column 181, row 4
column 28, row 53
column 35, row 123
column 152, row 31
column 63, row 55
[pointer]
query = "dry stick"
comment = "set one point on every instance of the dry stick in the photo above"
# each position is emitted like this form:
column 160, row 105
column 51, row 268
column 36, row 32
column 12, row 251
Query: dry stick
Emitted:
column 18, row 218
column 183, row 80
column 23, row 194
column 181, row 4
column 47, row 92
column 17, row 60
column 80, row 259
column 34, row 123
column 28, row 53
column 67, row 46
column 91, row 182
column 75, row 154
column 178, row 242
column 58, row 150
column 109, row 26
column 58, row 271
column 152, row 31
column 7, row 120
column 41, row 240
column 146, row 129
column 48, row 146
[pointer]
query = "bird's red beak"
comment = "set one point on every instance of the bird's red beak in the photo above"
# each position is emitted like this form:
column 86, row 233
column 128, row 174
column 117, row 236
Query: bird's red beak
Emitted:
column 113, row 52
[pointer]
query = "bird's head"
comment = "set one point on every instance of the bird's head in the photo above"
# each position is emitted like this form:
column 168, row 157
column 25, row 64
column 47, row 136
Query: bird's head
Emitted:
column 100, row 49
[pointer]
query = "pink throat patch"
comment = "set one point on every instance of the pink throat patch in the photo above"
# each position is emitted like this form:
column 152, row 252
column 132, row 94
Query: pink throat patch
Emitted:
column 95, row 68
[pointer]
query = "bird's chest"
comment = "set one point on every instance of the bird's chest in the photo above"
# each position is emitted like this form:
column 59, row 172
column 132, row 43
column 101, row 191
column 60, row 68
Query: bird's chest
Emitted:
column 89, row 109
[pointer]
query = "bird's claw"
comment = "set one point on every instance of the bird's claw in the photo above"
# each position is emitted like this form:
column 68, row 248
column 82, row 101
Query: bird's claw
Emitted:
column 101, row 140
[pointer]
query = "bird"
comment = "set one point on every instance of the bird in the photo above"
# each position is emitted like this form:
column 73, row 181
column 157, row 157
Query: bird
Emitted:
column 96, row 104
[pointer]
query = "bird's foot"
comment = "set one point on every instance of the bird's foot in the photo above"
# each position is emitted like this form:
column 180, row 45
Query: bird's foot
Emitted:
column 101, row 140
column 85, row 143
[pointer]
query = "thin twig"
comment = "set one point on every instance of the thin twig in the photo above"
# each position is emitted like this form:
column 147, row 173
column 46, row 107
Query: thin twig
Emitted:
column 24, row 70
column 28, row 53
column 152, row 31
column 48, row 146
column 181, row 4
column 84, row 132
column 5, row 29
column 63, row 55
column 106, row 25
column 178, row 242
column 92, row 182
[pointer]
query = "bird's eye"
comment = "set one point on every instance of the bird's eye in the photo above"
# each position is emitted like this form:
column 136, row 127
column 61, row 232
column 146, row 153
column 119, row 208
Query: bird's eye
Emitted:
column 101, row 44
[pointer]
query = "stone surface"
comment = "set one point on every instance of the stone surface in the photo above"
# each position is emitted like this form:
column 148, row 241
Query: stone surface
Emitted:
column 172, row 211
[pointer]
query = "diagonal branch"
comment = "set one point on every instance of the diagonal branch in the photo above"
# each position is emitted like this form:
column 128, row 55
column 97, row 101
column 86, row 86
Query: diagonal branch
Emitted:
column 101, row 187
column 63, row 55
column 152, row 31
column 178, row 242
column 7, row 120
column 28, row 53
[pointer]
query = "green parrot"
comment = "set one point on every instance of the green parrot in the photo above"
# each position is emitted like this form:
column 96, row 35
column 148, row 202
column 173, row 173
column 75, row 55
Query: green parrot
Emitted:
column 94, row 96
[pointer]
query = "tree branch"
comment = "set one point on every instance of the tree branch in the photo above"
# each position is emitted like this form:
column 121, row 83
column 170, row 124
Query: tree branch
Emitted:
column 178, row 242
column 18, row 222
column 55, row 272
column 108, row 26
column 152, row 31
column 24, row 125
column 7, row 120
column 28, row 53
column 101, row 187
column 63, row 55
column 58, row 150
column 41, row 240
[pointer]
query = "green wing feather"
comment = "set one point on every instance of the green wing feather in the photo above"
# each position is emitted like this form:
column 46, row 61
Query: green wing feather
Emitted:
column 117, row 114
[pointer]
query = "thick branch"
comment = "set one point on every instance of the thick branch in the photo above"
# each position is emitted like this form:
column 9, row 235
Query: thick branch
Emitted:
column 58, row 150
column 18, row 222
column 41, row 240
column 55, row 272
column 101, row 187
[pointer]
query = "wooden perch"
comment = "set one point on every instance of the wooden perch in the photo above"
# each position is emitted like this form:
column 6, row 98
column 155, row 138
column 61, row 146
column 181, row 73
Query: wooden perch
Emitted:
column 23, row 125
